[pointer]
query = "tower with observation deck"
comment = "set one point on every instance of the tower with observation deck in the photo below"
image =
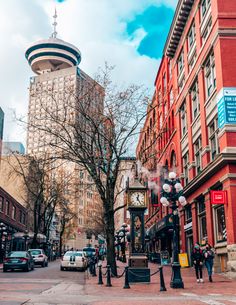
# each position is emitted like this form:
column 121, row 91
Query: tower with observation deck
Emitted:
column 55, row 64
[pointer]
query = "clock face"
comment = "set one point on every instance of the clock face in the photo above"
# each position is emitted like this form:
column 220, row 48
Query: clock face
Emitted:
column 137, row 199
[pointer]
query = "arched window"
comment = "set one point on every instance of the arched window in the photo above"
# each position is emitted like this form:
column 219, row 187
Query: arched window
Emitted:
column 173, row 160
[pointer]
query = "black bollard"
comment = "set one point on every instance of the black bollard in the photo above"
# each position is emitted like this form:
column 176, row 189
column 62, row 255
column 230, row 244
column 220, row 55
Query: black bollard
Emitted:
column 94, row 269
column 100, row 282
column 162, row 282
column 126, row 286
column 108, row 276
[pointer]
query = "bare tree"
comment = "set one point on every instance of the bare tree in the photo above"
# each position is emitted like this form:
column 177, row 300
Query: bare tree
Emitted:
column 43, row 192
column 93, row 126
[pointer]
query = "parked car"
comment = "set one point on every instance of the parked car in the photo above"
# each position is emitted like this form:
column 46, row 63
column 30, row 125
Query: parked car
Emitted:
column 18, row 260
column 39, row 257
column 74, row 260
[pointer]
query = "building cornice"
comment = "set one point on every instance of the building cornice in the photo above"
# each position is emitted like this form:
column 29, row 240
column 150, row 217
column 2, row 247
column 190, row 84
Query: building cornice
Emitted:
column 209, row 171
column 177, row 27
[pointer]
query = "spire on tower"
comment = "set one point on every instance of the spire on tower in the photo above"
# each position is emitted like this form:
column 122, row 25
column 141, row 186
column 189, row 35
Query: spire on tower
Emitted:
column 54, row 34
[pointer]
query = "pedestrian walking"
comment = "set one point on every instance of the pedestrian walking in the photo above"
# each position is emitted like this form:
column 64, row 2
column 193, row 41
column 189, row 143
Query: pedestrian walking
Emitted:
column 198, row 258
column 209, row 255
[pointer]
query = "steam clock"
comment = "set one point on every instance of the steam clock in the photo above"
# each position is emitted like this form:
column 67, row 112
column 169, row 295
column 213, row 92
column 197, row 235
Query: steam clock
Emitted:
column 137, row 204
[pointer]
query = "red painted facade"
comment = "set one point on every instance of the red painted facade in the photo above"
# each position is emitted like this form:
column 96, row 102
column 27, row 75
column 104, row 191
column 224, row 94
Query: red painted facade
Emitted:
column 181, row 130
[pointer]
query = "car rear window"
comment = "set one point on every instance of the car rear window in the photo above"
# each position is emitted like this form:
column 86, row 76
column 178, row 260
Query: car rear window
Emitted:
column 89, row 250
column 78, row 254
column 35, row 252
column 17, row 254
column 69, row 253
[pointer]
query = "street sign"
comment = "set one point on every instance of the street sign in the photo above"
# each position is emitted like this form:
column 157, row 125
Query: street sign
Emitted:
column 218, row 197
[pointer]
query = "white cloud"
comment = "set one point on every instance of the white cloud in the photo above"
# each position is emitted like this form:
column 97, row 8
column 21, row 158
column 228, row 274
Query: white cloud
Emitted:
column 97, row 28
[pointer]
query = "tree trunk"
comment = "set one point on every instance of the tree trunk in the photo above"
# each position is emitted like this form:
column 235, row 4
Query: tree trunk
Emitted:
column 110, row 239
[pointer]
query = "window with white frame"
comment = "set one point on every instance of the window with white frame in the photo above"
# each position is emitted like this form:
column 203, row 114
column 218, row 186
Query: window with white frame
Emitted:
column 207, row 31
column 195, row 100
column 213, row 138
column 171, row 96
column 210, row 74
column 13, row 212
column 1, row 204
column 197, row 153
column 205, row 4
column 164, row 83
column 191, row 36
column 181, row 62
column 170, row 69
column 185, row 167
column 220, row 226
column 183, row 117
column 188, row 213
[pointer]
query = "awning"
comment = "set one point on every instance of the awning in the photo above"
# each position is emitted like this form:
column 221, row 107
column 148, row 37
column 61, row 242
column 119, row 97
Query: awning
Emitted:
column 165, row 223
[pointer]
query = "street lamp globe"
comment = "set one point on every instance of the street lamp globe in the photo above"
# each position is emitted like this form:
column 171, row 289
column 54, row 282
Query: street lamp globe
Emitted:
column 178, row 187
column 172, row 175
column 164, row 201
column 182, row 200
column 166, row 187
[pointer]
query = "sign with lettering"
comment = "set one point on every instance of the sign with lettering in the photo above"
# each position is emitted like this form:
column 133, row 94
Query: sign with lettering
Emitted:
column 226, row 103
column 218, row 197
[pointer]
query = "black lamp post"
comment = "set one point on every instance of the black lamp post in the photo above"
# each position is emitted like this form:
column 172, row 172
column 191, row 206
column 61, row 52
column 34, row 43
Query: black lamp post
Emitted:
column 26, row 237
column 171, row 193
column 3, row 232
column 117, row 237
column 122, row 233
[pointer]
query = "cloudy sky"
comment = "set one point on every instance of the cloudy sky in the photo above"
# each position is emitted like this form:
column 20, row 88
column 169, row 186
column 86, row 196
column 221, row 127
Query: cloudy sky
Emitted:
column 129, row 34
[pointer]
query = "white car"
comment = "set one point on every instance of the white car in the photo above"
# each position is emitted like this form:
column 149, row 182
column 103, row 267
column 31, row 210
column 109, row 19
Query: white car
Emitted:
column 74, row 260
column 39, row 257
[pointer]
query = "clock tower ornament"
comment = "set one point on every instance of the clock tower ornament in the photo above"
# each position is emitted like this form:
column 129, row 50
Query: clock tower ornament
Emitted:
column 137, row 204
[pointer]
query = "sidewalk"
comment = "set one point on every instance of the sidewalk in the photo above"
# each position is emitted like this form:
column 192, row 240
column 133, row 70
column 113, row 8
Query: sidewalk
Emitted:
column 141, row 293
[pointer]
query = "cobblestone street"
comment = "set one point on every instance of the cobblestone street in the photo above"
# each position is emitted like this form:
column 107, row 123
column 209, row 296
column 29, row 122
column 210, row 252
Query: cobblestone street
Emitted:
column 51, row 286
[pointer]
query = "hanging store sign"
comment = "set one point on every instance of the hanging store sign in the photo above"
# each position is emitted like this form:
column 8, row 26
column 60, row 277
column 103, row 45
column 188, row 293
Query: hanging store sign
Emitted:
column 226, row 103
column 218, row 197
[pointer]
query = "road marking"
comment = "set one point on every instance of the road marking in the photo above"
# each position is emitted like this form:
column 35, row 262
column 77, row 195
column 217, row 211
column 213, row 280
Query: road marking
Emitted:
column 211, row 302
column 189, row 294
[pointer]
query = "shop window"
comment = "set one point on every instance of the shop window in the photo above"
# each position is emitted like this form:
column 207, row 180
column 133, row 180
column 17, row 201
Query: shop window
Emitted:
column 1, row 204
column 197, row 153
column 202, row 222
column 195, row 100
column 213, row 138
column 220, row 229
column 185, row 167
column 183, row 116
column 210, row 75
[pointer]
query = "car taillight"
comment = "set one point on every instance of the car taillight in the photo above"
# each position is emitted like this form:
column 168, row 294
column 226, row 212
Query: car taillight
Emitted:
column 41, row 255
column 23, row 259
column 82, row 259
column 6, row 260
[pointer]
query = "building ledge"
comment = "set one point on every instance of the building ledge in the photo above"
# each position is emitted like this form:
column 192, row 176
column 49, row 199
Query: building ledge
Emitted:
column 177, row 27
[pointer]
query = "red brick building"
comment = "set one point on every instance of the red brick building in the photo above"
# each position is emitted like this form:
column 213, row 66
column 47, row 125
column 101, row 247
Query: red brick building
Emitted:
column 195, row 117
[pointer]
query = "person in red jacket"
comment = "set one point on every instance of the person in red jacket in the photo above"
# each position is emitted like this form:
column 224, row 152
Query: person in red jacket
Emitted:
column 198, row 258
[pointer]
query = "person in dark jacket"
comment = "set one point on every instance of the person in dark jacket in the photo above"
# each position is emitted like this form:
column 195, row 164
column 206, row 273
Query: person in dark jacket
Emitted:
column 198, row 258
column 209, row 255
